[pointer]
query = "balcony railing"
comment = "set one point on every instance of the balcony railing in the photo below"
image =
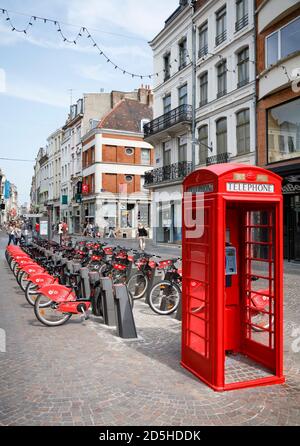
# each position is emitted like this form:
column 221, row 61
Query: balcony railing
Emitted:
column 175, row 116
column 203, row 51
column 221, row 37
column 241, row 23
column 218, row 159
column 173, row 172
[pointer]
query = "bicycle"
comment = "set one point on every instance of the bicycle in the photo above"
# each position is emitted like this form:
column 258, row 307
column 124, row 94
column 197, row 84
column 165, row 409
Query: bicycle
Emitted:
column 164, row 297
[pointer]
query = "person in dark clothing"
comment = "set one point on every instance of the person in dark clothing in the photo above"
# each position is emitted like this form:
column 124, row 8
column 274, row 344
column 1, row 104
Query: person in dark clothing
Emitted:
column 142, row 234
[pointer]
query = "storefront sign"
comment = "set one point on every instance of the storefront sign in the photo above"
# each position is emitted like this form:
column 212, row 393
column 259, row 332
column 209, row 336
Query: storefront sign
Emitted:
column 291, row 188
column 250, row 187
column 6, row 189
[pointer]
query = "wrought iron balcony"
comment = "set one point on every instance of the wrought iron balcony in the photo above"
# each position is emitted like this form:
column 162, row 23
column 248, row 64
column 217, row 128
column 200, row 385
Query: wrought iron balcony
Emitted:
column 218, row 159
column 171, row 173
column 241, row 23
column 203, row 51
column 180, row 114
column 221, row 37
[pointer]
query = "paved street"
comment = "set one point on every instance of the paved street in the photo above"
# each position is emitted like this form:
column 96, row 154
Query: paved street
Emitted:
column 82, row 374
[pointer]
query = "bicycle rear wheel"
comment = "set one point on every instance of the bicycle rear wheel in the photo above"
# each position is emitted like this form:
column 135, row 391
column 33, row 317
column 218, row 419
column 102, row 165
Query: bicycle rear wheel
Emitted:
column 164, row 297
column 137, row 285
column 47, row 313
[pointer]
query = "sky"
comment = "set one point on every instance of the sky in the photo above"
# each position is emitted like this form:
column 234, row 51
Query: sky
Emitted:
column 37, row 70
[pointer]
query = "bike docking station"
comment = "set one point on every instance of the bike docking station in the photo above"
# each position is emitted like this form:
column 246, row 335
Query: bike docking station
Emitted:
column 232, row 290
column 117, row 309
column 124, row 316
column 108, row 303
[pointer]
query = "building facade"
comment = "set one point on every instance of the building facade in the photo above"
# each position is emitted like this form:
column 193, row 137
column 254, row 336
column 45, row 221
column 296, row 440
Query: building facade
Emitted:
column 278, row 108
column 8, row 199
column 115, row 158
column 204, row 100
column 54, row 176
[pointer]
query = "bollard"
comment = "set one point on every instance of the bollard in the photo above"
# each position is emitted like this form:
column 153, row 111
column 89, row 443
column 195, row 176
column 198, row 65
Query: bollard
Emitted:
column 94, row 278
column 85, row 283
column 125, row 321
column 108, row 302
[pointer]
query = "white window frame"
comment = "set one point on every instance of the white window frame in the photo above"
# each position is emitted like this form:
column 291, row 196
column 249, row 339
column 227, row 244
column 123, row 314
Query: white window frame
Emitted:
column 279, row 41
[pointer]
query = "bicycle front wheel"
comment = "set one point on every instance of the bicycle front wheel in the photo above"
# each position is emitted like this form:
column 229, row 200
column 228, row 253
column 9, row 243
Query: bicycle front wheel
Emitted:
column 137, row 285
column 164, row 297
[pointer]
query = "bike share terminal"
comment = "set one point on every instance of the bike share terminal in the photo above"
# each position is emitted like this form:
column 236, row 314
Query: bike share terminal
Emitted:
column 232, row 293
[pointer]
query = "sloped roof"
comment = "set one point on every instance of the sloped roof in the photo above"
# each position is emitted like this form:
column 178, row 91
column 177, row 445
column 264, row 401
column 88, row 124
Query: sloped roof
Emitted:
column 127, row 116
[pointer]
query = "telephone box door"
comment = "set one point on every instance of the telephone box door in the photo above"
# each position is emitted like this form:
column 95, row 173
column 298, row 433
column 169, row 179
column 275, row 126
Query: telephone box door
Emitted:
column 261, row 287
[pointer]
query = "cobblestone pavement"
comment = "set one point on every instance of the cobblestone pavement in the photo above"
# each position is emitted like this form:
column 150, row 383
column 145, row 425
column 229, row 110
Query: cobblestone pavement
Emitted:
column 82, row 374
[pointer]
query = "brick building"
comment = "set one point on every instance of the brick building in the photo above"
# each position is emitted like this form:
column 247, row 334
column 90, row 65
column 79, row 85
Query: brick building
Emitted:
column 278, row 106
column 115, row 158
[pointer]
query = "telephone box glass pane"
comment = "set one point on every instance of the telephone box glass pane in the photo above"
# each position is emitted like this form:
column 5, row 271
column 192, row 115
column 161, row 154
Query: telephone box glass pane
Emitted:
column 197, row 291
column 259, row 277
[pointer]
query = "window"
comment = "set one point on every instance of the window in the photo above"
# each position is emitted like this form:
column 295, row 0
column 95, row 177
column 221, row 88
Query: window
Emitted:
column 128, row 178
column 203, row 41
column 167, row 66
column 283, row 42
column 182, row 148
column 272, row 49
column 222, row 78
column 182, row 95
column 203, row 143
column 221, row 131
column 129, row 151
column 243, row 131
column 166, row 155
column 243, row 67
column 221, row 26
column 167, row 103
column 284, row 131
column 241, row 14
column 182, row 53
column 145, row 156
column 203, row 81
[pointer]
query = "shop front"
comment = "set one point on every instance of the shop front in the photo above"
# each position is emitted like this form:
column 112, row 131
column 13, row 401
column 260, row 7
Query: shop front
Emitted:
column 283, row 158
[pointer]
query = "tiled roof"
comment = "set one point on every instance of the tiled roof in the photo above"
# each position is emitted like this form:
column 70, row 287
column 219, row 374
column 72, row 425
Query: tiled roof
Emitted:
column 127, row 116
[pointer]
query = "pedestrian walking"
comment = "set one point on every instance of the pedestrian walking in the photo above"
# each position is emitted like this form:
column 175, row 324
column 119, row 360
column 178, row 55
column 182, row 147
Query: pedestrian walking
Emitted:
column 60, row 232
column 37, row 230
column 142, row 233
column 11, row 234
column 111, row 233
column 18, row 235
column 65, row 230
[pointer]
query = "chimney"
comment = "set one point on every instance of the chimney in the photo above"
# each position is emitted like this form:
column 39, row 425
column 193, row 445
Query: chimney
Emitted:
column 145, row 95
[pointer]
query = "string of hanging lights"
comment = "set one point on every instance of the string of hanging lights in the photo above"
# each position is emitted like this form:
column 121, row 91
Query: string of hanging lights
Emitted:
column 82, row 33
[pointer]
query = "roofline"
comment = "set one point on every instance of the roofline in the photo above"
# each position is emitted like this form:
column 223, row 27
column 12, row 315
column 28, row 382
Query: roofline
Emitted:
column 167, row 27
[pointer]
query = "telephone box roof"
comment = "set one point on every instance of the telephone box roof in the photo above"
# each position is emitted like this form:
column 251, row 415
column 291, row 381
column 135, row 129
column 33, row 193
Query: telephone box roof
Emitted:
column 224, row 168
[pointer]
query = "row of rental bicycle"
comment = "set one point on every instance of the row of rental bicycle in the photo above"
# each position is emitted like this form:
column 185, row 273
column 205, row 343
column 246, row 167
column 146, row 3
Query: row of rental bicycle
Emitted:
column 62, row 281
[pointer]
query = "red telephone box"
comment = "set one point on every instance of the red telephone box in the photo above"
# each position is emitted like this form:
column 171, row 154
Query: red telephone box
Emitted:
column 232, row 293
